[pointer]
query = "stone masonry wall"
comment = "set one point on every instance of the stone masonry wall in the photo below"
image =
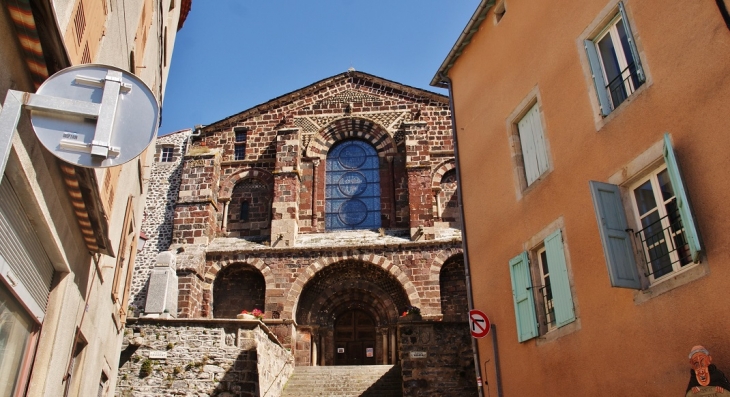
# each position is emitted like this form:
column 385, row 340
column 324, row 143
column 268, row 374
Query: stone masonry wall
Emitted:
column 162, row 193
column 225, row 359
column 437, row 360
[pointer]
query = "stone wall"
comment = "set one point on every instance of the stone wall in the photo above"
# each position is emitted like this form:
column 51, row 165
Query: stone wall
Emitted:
column 162, row 193
column 437, row 359
column 222, row 358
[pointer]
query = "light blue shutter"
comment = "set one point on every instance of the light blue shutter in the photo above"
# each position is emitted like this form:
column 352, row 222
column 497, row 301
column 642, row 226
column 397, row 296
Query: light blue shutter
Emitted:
column 532, row 140
column 519, row 270
column 616, row 239
column 562, row 297
column 597, row 73
column 632, row 43
column 690, row 229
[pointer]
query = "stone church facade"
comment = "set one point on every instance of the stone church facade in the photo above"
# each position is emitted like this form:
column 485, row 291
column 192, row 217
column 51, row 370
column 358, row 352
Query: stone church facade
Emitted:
column 331, row 208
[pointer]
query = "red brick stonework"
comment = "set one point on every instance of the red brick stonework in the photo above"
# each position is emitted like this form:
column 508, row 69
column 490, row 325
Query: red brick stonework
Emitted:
column 250, row 222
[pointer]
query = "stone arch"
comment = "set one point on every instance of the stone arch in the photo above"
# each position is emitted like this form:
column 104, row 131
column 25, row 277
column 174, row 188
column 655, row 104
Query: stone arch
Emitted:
column 292, row 298
column 438, row 262
column 212, row 273
column 224, row 193
column 452, row 286
column 439, row 172
column 351, row 127
column 237, row 287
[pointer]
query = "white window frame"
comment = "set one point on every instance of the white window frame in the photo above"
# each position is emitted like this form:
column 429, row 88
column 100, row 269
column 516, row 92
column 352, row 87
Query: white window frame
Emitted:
column 545, row 290
column 164, row 151
column 612, row 31
column 669, row 236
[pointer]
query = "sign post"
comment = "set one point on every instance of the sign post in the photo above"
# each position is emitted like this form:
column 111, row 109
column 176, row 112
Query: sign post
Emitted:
column 479, row 324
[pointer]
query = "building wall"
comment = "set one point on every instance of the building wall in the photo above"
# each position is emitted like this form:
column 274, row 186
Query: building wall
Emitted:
column 86, row 293
column 624, row 341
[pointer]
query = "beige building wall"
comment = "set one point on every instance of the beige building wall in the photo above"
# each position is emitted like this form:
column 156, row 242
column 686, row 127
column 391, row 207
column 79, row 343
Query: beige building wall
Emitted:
column 623, row 341
column 88, row 293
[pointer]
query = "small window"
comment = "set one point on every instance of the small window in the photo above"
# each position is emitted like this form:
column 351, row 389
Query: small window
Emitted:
column 548, row 304
column 241, row 135
column 665, row 234
column 614, row 62
column 499, row 11
column 532, row 143
column 166, row 154
column 245, row 210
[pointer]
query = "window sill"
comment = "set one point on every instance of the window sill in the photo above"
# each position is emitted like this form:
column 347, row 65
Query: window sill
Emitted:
column 680, row 278
column 558, row 333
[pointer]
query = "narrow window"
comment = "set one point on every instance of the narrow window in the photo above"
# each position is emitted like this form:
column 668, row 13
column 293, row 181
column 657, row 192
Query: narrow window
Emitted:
column 245, row 210
column 615, row 63
column 499, row 11
column 532, row 143
column 546, row 289
column 241, row 135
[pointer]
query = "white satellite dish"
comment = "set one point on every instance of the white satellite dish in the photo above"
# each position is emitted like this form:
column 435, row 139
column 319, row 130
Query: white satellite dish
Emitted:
column 94, row 115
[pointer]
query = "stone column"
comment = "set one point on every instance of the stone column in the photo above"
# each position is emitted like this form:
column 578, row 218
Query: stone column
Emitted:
column 418, row 168
column 287, row 183
column 196, row 209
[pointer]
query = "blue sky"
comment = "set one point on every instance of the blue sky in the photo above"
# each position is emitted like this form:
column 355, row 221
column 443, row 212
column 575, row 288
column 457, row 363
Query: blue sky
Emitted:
column 232, row 55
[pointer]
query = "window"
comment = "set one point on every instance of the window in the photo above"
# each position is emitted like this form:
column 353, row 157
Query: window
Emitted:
column 352, row 192
column 166, row 154
column 240, row 143
column 245, row 209
column 665, row 235
column 532, row 143
column 17, row 340
column 614, row 62
column 499, row 11
column 547, row 305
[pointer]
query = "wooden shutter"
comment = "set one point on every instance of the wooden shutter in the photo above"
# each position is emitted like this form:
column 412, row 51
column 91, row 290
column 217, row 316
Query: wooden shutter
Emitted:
column 616, row 239
column 597, row 73
column 534, row 151
column 685, row 212
column 519, row 269
column 559, row 283
column 632, row 43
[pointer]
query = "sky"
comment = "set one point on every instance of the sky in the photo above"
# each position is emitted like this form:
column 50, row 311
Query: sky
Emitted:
column 232, row 55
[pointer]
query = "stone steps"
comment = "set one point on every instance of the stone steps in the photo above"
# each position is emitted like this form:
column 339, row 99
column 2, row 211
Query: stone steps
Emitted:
column 345, row 381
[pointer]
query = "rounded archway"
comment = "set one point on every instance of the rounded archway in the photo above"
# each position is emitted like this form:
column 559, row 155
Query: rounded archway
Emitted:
column 352, row 308
column 236, row 288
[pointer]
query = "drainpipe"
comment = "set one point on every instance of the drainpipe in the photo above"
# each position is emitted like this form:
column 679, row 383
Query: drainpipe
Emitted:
column 470, row 299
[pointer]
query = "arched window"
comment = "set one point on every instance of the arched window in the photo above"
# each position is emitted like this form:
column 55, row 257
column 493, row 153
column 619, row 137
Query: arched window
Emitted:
column 352, row 196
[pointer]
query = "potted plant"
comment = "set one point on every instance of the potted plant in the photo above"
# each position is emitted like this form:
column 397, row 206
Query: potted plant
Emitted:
column 255, row 314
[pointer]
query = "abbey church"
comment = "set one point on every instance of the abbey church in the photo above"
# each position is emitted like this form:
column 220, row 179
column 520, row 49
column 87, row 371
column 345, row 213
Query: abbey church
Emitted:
column 333, row 210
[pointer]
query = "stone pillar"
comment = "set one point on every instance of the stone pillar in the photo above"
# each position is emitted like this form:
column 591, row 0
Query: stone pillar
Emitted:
column 418, row 168
column 196, row 209
column 191, row 283
column 162, row 293
column 285, row 223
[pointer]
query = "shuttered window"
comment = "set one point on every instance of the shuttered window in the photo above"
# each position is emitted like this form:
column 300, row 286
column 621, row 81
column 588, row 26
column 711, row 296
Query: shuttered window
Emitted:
column 559, row 282
column 532, row 141
column 612, row 225
column 22, row 254
column 519, row 268
column 614, row 61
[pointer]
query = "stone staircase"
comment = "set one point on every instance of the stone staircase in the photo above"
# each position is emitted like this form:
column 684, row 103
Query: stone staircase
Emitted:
column 345, row 381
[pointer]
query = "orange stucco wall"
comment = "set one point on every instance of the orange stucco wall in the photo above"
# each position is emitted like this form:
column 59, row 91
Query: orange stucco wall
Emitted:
column 619, row 347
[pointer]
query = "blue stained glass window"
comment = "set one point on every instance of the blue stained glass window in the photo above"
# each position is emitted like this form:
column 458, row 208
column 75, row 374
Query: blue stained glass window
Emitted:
column 352, row 194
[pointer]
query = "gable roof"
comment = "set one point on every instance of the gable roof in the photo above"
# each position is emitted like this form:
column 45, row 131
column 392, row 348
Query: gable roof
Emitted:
column 348, row 96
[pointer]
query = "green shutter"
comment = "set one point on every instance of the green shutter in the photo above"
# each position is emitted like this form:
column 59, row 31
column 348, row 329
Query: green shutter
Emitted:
column 632, row 43
column 519, row 269
column 562, row 297
column 617, row 247
column 597, row 73
column 690, row 229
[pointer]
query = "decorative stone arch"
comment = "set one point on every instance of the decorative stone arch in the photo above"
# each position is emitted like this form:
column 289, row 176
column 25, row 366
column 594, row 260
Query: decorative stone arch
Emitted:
column 453, row 298
column 292, row 298
column 227, row 185
column 438, row 262
column 351, row 127
column 213, row 270
column 440, row 171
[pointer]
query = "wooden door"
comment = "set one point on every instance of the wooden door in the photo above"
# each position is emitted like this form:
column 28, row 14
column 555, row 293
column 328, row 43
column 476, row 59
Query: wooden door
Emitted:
column 355, row 339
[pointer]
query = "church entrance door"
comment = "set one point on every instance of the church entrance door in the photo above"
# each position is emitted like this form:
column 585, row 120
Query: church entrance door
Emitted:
column 354, row 339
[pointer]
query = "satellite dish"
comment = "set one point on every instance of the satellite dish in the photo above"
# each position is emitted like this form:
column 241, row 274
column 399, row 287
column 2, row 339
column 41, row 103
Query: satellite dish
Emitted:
column 94, row 115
